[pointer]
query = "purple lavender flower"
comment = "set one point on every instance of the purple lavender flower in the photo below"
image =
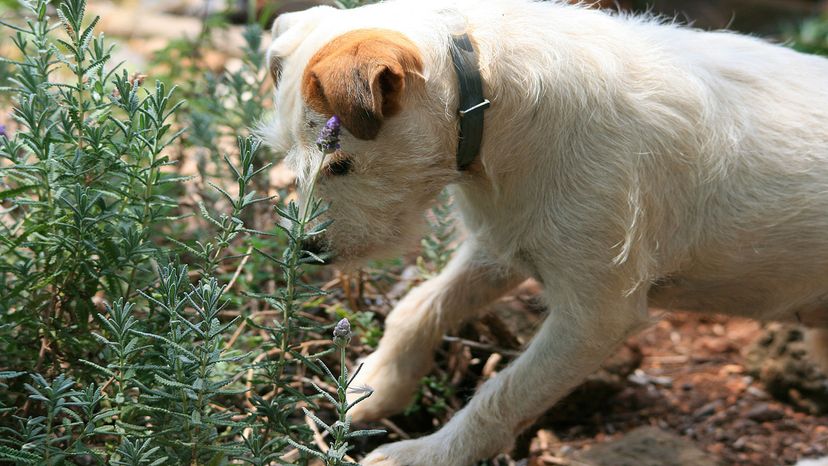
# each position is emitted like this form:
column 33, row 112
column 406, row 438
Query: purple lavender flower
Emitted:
column 342, row 332
column 328, row 140
column 3, row 133
column 342, row 329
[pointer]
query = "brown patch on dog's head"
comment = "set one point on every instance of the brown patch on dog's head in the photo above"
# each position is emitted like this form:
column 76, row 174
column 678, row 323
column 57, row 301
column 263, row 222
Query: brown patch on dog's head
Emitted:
column 360, row 76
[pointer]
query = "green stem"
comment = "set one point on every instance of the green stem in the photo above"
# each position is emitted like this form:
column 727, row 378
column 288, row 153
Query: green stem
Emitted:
column 150, row 183
column 49, row 421
column 342, row 408
column 80, row 86
column 227, row 232
column 292, row 267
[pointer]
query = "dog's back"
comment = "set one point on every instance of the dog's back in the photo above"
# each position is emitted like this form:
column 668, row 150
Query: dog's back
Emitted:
column 759, row 203
column 712, row 149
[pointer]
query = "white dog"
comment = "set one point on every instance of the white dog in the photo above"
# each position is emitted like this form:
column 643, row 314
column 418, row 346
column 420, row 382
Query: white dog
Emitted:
column 624, row 163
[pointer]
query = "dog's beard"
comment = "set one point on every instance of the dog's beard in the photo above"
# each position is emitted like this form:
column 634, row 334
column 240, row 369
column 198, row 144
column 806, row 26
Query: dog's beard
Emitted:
column 350, row 253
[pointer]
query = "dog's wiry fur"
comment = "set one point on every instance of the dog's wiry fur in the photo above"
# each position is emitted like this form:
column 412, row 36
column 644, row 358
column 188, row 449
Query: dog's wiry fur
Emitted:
column 626, row 163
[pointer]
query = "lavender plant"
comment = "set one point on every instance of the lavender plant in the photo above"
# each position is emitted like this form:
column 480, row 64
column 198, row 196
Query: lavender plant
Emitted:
column 437, row 246
column 303, row 225
column 96, row 275
column 83, row 187
column 339, row 431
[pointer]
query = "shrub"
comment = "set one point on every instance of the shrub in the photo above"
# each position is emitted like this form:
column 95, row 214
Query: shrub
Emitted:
column 119, row 343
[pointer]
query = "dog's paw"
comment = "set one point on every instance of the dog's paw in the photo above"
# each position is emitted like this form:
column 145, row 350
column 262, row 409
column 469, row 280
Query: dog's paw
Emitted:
column 393, row 379
column 419, row 452
column 382, row 459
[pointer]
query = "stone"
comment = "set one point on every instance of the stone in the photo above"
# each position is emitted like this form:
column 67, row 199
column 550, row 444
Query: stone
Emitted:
column 647, row 446
column 708, row 409
column 763, row 412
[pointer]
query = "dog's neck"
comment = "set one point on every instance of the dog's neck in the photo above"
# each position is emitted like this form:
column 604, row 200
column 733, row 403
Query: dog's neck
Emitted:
column 472, row 103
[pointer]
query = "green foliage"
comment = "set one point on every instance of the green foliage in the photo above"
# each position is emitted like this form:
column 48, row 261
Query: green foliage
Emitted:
column 340, row 430
column 811, row 36
column 70, row 417
column 353, row 3
column 84, row 185
column 220, row 103
column 438, row 247
column 432, row 395
column 137, row 453
column 122, row 331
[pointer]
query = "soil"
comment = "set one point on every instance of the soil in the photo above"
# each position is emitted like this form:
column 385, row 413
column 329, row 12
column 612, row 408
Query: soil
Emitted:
column 687, row 382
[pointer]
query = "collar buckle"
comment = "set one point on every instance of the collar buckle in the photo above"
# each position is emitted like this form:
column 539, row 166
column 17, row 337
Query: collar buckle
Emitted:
column 481, row 106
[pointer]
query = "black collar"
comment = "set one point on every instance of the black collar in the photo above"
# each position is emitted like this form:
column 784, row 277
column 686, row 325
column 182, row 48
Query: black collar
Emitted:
column 472, row 103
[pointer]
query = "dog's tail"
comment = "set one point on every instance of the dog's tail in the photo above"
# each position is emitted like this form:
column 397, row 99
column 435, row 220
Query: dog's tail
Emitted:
column 817, row 339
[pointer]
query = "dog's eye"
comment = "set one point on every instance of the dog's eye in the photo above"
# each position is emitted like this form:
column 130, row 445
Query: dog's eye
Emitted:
column 339, row 167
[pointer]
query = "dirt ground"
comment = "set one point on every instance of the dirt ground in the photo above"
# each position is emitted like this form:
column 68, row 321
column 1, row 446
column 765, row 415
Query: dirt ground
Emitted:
column 693, row 382
column 687, row 376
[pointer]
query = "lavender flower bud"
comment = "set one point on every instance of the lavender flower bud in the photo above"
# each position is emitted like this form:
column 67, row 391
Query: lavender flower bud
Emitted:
column 342, row 332
column 3, row 133
column 328, row 140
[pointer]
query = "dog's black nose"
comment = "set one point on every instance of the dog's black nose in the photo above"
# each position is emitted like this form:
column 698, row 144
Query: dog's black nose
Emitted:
column 317, row 247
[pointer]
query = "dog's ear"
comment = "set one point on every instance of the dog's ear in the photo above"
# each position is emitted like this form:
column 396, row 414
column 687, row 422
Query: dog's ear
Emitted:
column 288, row 32
column 361, row 77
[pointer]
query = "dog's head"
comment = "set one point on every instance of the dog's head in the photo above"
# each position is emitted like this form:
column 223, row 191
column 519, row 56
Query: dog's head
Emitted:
column 396, row 142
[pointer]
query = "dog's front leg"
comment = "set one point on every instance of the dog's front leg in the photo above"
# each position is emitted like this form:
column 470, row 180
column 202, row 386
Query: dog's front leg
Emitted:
column 415, row 328
column 571, row 343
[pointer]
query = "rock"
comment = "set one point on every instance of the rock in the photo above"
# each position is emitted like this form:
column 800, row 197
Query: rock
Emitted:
column 779, row 359
column 647, row 446
column 763, row 412
column 639, row 377
column 708, row 409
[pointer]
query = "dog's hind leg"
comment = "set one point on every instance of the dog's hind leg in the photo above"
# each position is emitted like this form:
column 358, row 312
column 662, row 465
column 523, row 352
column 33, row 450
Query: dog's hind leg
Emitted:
column 415, row 328
column 573, row 342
